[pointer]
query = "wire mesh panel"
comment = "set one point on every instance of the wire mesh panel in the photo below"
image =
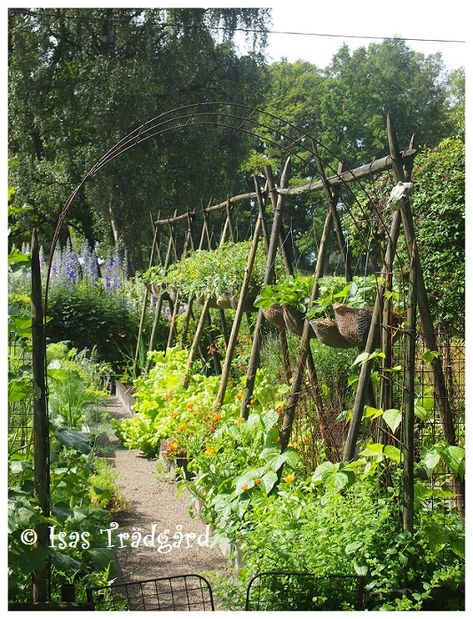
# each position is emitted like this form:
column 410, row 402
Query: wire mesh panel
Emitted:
column 186, row 592
column 304, row 591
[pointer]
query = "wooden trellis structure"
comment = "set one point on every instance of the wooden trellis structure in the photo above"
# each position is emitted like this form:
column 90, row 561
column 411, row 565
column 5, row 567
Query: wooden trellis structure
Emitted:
column 270, row 129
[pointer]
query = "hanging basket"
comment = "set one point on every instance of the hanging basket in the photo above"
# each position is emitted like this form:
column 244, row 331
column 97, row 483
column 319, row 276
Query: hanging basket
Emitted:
column 248, row 304
column 294, row 319
column 354, row 324
column 223, row 301
column 155, row 289
column 275, row 315
column 327, row 332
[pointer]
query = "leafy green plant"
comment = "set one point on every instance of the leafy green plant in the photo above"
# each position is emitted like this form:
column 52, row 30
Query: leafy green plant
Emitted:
column 291, row 291
column 217, row 272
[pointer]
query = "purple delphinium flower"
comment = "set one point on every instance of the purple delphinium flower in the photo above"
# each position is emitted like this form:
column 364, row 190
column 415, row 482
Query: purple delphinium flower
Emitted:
column 70, row 266
column 88, row 261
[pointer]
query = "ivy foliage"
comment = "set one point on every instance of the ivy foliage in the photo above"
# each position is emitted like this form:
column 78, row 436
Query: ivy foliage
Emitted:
column 439, row 209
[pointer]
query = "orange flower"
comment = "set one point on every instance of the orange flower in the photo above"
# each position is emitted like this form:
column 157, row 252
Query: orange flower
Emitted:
column 216, row 418
column 245, row 487
column 279, row 409
column 239, row 396
column 210, row 451
column 189, row 404
column 173, row 447
column 174, row 415
column 253, row 401
column 182, row 427
column 240, row 420
column 290, row 477
column 257, row 481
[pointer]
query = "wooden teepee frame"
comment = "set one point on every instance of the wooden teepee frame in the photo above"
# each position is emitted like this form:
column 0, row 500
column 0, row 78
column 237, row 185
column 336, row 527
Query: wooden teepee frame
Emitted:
column 269, row 129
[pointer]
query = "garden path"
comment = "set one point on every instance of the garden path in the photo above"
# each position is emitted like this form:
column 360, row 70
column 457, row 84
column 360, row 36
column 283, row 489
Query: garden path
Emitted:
column 154, row 500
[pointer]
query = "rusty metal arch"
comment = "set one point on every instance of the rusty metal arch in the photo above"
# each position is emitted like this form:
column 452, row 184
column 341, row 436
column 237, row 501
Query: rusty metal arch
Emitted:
column 232, row 116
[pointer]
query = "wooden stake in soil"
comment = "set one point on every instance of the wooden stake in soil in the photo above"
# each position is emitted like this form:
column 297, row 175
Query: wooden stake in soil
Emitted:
column 290, row 410
column 408, row 402
column 268, row 278
column 41, row 577
column 145, row 302
column 430, row 338
column 238, row 316
column 159, row 302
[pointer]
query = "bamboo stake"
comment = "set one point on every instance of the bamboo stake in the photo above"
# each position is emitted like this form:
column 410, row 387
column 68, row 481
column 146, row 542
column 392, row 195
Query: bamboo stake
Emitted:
column 408, row 403
column 268, row 278
column 41, row 577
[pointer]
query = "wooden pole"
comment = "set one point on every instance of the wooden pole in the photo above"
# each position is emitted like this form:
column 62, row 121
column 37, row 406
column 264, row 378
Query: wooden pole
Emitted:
column 187, row 243
column 367, row 169
column 305, row 354
column 290, row 410
column 159, row 302
column 145, row 303
column 268, row 278
column 195, row 343
column 428, row 330
column 221, row 312
column 365, row 371
column 238, row 316
column 408, row 402
column 41, row 577
column 429, row 334
column 287, row 256
column 386, row 392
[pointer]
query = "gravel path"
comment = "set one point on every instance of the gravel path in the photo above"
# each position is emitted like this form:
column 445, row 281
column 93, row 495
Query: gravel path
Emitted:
column 155, row 501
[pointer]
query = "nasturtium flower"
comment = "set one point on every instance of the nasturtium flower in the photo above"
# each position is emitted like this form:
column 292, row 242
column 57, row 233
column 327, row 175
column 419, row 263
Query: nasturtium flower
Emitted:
column 216, row 418
column 244, row 487
column 210, row 451
column 240, row 420
column 289, row 478
column 182, row 427
column 189, row 404
column 257, row 481
column 173, row 447
column 239, row 396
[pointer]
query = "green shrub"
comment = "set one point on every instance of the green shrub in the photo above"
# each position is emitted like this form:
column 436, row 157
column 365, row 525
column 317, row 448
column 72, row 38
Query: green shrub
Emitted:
column 88, row 318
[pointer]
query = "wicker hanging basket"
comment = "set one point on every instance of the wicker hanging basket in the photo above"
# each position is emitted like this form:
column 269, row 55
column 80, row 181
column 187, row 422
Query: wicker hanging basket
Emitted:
column 327, row 332
column 354, row 324
column 248, row 304
column 294, row 319
column 223, row 301
column 155, row 289
column 275, row 315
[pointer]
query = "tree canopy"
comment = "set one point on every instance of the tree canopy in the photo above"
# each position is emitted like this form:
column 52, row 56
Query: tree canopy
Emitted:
column 81, row 79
